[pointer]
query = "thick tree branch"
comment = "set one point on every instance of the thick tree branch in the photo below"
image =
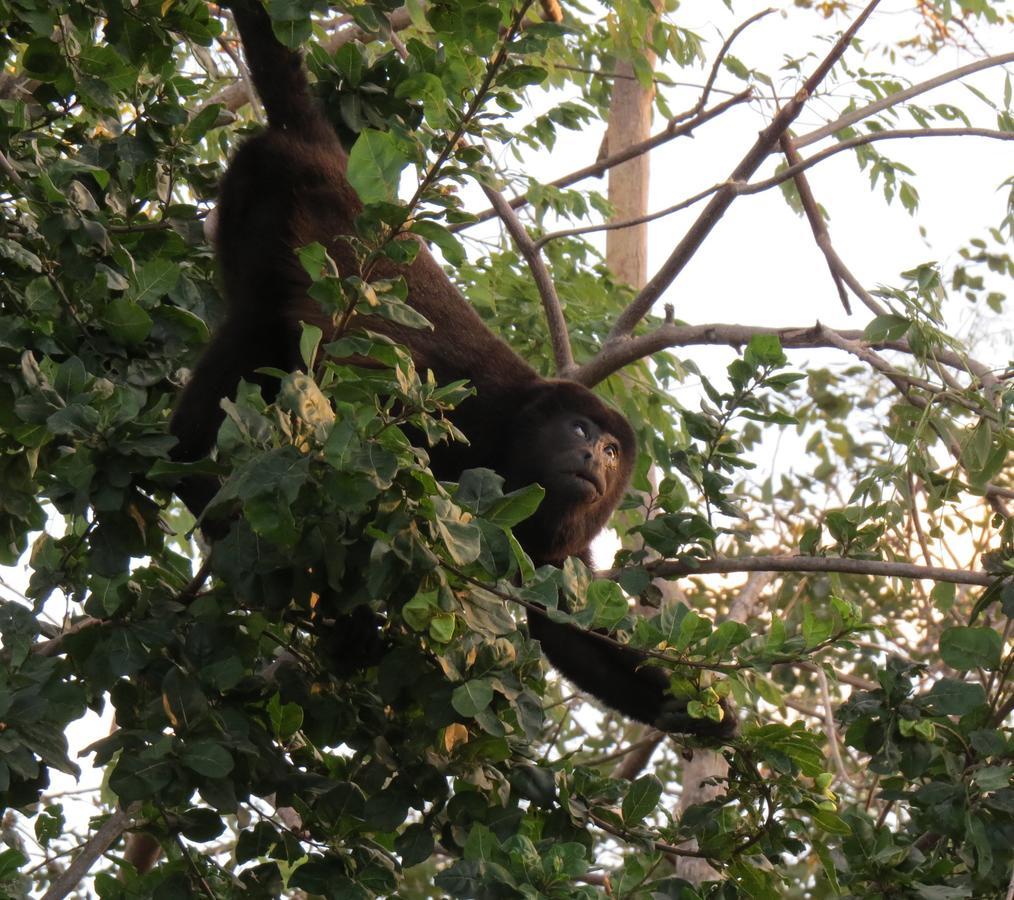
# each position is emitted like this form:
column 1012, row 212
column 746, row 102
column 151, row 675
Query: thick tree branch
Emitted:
column 621, row 352
column 109, row 831
column 558, row 335
column 871, row 567
column 857, row 115
column 713, row 212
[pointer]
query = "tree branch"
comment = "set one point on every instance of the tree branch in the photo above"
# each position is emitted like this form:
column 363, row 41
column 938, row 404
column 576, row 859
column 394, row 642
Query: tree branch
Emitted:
column 857, row 115
column 845, row 566
column 599, row 167
column 723, row 198
column 558, row 335
column 680, row 124
column 109, row 831
column 620, row 352
column 740, row 188
column 900, row 134
column 813, row 215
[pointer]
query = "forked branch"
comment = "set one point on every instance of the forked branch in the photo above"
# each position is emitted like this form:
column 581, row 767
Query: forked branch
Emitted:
column 558, row 335
column 723, row 198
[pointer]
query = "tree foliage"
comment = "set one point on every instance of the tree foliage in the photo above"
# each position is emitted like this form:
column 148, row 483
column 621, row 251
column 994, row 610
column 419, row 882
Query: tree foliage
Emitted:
column 267, row 746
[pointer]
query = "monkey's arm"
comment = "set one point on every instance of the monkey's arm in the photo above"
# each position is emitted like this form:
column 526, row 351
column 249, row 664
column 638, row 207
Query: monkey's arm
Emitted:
column 611, row 674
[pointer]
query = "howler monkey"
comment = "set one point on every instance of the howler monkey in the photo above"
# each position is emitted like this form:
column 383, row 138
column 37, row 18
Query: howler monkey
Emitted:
column 286, row 188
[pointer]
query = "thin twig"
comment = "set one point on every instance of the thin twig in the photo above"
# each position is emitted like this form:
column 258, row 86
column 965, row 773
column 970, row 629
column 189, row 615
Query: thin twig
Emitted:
column 720, row 202
column 492, row 67
column 661, row 846
column 723, row 52
column 601, row 166
column 859, row 140
column 857, row 115
column 829, row 727
column 744, row 189
column 558, row 335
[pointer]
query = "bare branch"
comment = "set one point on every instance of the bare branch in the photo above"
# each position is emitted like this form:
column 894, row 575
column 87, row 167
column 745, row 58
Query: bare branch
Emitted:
column 558, row 334
column 108, row 832
column 900, row 134
column 817, row 224
column 857, row 115
column 871, row 567
column 619, row 224
column 844, row 677
column 739, row 188
column 7, row 167
column 620, row 352
column 637, row 755
column 722, row 53
column 829, row 727
column 600, row 166
column 723, row 198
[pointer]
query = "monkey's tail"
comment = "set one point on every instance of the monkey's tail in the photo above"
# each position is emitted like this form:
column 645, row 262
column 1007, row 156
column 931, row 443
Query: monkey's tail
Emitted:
column 277, row 71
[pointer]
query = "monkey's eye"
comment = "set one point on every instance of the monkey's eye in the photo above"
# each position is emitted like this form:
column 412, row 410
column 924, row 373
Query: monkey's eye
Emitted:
column 612, row 451
column 580, row 430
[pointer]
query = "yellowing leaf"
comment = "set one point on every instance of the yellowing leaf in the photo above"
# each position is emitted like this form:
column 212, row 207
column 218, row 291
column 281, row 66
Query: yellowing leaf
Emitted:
column 454, row 735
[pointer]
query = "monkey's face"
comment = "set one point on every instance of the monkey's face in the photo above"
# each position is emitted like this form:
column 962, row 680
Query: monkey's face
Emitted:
column 578, row 460
column 582, row 453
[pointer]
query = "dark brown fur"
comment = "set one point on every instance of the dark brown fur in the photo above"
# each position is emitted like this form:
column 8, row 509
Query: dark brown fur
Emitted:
column 286, row 188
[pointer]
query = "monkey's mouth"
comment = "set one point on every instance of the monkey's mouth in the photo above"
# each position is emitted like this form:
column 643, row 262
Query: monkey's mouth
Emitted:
column 588, row 478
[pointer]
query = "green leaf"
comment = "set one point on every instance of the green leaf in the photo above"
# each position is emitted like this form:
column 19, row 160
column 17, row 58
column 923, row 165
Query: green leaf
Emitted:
column 830, row 822
column 886, row 328
column 208, row 759
column 764, row 350
column 199, row 124
column 375, row 165
column 463, row 540
column 152, row 281
column 606, row 599
column 309, row 341
column 641, row 799
column 966, row 648
column 472, row 697
column 126, row 322
column 515, row 77
column 435, row 233
column 420, row 610
column 516, row 506
column 19, row 255
column 949, row 697
column 442, row 627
